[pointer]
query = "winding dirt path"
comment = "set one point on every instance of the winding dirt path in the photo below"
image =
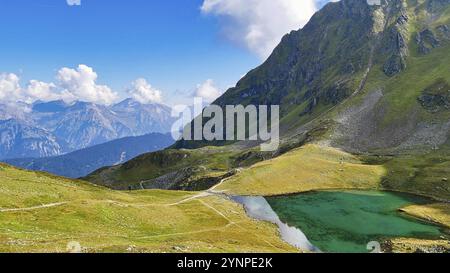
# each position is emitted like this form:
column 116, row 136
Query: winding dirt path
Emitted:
column 197, row 196
column 35, row 207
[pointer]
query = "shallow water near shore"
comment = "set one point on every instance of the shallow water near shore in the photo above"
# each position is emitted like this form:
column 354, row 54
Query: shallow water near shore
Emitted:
column 340, row 221
column 258, row 208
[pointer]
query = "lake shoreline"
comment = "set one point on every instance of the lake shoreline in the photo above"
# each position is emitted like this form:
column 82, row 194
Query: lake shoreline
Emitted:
column 432, row 199
column 413, row 199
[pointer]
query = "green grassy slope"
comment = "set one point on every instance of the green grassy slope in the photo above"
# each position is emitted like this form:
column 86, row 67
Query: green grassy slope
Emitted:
column 43, row 213
column 425, row 174
column 311, row 167
column 203, row 163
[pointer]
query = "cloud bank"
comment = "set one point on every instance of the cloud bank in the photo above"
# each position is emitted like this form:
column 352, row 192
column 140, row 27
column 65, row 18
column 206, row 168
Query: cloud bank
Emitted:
column 260, row 24
column 71, row 85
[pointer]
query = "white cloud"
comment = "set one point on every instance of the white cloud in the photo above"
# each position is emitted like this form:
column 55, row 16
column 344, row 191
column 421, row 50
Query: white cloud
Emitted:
column 10, row 90
column 144, row 93
column 73, row 2
column 37, row 90
column 71, row 85
column 260, row 24
column 80, row 84
column 208, row 91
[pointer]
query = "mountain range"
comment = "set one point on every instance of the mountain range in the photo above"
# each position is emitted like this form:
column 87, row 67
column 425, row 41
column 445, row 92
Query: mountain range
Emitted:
column 84, row 161
column 45, row 129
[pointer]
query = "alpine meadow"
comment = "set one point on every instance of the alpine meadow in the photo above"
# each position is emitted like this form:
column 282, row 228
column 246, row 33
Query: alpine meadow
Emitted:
column 358, row 100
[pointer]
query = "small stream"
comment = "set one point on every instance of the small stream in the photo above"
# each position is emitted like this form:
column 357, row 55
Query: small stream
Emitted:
column 341, row 221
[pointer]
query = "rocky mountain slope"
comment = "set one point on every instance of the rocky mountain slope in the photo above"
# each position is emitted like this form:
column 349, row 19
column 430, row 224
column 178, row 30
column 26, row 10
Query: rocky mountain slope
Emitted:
column 55, row 128
column 21, row 139
column 85, row 161
column 367, row 77
column 377, row 73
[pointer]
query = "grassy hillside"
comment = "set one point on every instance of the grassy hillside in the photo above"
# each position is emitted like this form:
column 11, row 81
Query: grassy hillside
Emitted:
column 437, row 213
column 185, row 169
column 315, row 167
column 43, row 213
column 424, row 174
column 311, row 167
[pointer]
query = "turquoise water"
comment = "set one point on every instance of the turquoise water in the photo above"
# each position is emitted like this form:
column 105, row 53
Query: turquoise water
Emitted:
column 347, row 221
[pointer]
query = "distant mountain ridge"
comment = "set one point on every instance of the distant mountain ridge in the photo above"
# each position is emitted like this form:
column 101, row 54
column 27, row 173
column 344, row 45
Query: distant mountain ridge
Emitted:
column 82, row 162
column 53, row 128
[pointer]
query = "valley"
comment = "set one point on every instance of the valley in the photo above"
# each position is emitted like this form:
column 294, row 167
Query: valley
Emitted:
column 364, row 154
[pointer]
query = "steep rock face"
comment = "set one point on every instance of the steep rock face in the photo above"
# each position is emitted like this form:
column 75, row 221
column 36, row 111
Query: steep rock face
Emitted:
column 410, row 113
column 436, row 97
column 395, row 43
column 426, row 41
column 313, row 64
column 444, row 30
column 19, row 139
column 85, row 124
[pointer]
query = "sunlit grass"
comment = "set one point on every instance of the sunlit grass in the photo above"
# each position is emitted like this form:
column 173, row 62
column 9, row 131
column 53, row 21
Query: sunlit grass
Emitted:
column 102, row 220
column 311, row 167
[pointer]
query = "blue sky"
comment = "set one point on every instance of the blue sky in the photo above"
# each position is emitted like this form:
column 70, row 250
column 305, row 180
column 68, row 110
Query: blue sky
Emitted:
column 176, row 45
